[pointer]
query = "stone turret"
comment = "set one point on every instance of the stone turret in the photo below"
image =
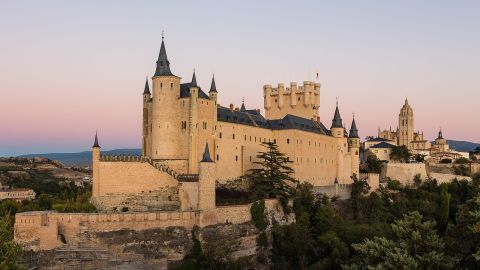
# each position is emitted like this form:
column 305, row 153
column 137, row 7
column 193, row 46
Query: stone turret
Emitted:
column 165, row 125
column 206, row 189
column 354, row 147
column 95, row 166
column 193, row 127
column 145, row 124
column 337, row 129
column 302, row 101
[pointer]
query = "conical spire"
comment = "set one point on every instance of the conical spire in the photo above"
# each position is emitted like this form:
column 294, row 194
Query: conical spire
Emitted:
column 194, row 80
column 440, row 134
column 146, row 91
column 213, row 87
column 95, row 143
column 353, row 130
column 206, row 155
column 163, row 65
column 406, row 101
column 242, row 108
column 337, row 120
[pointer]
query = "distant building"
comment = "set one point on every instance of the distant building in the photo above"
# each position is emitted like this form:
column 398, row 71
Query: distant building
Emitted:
column 16, row 194
column 382, row 150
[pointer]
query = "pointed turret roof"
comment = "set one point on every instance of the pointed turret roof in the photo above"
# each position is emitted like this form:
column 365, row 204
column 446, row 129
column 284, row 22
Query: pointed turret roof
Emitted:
column 440, row 134
column 337, row 120
column 213, row 87
column 206, row 154
column 242, row 108
column 353, row 130
column 194, row 80
column 146, row 91
column 163, row 65
column 95, row 143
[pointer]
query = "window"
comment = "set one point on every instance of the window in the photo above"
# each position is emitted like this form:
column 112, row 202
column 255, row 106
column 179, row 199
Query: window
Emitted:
column 171, row 85
column 218, row 157
column 161, row 85
column 233, row 136
column 220, row 135
column 250, row 158
column 298, row 99
column 236, row 158
column 275, row 141
column 288, row 141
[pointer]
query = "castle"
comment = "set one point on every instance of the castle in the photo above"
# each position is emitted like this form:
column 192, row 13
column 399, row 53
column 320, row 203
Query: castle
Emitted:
column 190, row 142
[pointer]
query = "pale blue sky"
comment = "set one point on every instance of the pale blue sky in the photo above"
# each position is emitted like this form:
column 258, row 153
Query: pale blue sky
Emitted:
column 68, row 68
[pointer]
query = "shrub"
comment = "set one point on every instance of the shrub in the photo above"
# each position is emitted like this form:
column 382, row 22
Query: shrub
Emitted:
column 257, row 210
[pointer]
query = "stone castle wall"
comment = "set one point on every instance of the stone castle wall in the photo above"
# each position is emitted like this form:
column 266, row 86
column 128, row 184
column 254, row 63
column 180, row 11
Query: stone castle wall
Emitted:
column 403, row 172
column 116, row 177
column 45, row 230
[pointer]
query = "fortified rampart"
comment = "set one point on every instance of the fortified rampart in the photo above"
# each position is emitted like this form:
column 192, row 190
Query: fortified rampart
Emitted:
column 45, row 230
column 403, row 172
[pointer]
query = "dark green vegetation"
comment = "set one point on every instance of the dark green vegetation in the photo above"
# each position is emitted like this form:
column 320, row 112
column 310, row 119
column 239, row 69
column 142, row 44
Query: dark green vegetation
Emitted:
column 373, row 164
column 426, row 226
column 400, row 153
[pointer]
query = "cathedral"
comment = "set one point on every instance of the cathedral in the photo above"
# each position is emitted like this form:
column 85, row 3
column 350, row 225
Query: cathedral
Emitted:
column 183, row 126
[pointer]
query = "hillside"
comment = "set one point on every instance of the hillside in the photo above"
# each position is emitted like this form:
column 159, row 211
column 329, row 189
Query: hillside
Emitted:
column 83, row 158
column 463, row 146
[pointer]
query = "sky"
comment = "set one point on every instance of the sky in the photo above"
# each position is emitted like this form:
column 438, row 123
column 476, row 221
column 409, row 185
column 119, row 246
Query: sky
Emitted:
column 69, row 68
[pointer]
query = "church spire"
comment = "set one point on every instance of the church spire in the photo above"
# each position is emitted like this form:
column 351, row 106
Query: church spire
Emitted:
column 353, row 130
column 440, row 134
column 146, row 91
column 337, row 120
column 206, row 155
column 163, row 65
column 213, row 87
column 95, row 143
column 242, row 108
column 194, row 80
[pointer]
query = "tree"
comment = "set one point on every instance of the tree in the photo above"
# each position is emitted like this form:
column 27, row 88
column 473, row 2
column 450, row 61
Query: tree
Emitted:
column 273, row 178
column 417, row 246
column 374, row 165
column 444, row 210
column 9, row 250
column 461, row 170
column 400, row 153
column 359, row 189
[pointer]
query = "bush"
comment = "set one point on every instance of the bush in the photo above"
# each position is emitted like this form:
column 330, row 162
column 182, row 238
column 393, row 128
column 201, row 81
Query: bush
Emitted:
column 257, row 210
column 446, row 161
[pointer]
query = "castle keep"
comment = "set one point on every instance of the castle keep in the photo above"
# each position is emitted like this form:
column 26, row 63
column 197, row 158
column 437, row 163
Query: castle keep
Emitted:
column 184, row 125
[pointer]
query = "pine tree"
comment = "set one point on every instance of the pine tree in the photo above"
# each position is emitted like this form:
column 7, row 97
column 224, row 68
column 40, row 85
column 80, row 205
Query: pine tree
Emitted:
column 273, row 179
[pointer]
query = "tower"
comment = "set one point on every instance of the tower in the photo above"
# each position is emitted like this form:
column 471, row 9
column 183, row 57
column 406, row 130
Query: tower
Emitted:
column 354, row 147
column 165, row 126
column 405, row 125
column 145, row 124
column 95, row 166
column 337, row 129
column 206, row 189
column 212, row 94
column 193, row 126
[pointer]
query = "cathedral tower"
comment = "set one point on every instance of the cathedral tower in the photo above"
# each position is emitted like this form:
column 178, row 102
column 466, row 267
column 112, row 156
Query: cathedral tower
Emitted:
column 405, row 125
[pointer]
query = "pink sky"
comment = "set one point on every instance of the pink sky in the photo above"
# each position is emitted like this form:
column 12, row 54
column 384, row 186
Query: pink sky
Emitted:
column 68, row 69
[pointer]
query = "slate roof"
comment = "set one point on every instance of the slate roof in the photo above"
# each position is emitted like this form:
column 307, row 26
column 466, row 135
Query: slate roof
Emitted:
column 185, row 91
column 163, row 65
column 383, row 145
column 254, row 118
column 378, row 139
column 337, row 120
column 353, row 130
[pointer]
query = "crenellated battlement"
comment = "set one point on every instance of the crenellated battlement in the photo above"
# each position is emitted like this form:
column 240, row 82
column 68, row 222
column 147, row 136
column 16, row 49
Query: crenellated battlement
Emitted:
column 300, row 100
column 122, row 158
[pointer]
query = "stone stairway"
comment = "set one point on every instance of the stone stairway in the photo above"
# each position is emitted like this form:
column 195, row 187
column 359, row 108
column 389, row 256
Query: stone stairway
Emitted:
column 161, row 166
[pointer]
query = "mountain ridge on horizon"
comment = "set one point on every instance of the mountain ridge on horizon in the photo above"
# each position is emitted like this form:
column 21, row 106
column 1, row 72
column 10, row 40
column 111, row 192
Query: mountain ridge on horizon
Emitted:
column 85, row 157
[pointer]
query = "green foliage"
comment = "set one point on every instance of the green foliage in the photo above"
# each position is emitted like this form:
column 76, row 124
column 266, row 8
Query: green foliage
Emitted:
column 419, row 158
column 461, row 170
column 374, row 165
column 417, row 246
column 8, row 249
column 210, row 258
column 446, row 161
column 359, row 188
column 273, row 178
column 400, row 153
column 444, row 209
column 257, row 210
column 462, row 160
